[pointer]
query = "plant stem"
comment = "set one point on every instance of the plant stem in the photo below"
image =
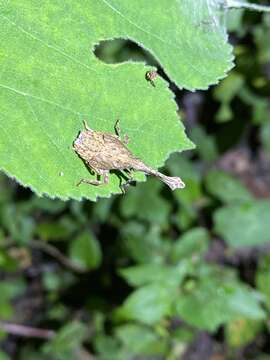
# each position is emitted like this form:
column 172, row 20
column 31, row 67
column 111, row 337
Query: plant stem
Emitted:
column 54, row 252
column 26, row 331
column 246, row 5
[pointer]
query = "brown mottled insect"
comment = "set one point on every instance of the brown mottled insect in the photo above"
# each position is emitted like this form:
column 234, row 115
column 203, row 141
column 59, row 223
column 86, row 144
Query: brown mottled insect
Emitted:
column 150, row 76
column 103, row 152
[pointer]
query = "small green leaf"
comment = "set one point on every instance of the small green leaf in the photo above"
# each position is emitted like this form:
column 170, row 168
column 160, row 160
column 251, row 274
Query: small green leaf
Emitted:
column 193, row 244
column 7, row 263
column 57, row 280
column 229, row 87
column 66, row 341
column 107, row 347
column 224, row 113
column 52, row 231
column 85, row 251
column 44, row 204
column 261, row 35
column 216, row 300
column 263, row 279
column 144, row 245
column 259, row 105
column 226, row 188
column 149, row 304
column 29, row 352
column 235, row 23
column 240, row 331
column 205, row 144
column 149, row 273
column 9, row 290
column 265, row 135
column 4, row 356
column 102, row 210
column 245, row 224
column 139, row 339
column 19, row 225
column 155, row 209
column 192, row 193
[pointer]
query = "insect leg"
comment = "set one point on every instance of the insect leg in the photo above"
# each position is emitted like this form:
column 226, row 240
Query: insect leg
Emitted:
column 129, row 173
column 86, row 126
column 130, row 177
column 96, row 182
column 117, row 129
column 125, row 139
column 106, row 176
column 123, row 187
column 91, row 182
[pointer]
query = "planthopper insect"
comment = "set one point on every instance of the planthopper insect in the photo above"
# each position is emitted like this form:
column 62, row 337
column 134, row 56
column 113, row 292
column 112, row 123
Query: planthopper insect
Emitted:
column 103, row 152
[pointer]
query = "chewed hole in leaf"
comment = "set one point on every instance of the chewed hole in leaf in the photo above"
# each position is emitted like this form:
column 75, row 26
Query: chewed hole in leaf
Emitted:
column 119, row 50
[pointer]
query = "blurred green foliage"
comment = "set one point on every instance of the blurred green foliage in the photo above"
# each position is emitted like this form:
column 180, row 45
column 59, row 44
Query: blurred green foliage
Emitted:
column 144, row 274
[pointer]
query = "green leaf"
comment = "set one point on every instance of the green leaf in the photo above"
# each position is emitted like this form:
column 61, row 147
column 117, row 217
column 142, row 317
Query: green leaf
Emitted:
column 192, row 194
column 229, row 87
column 149, row 304
column 66, row 342
column 226, row 188
column 102, row 210
column 246, row 224
column 139, row 339
column 265, row 135
column 216, row 300
column 261, row 35
column 7, row 263
column 51, row 81
column 3, row 356
column 44, row 204
column 205, row 144
column 85, row 251
column 262, row 356
column 193, row 244
column 107, row 347
column 239, row 332
column 143, row 245
column 259, row 105
column 5, row 196
column 143, row 274
column 56, row 281
column 19, row 225
column 29, row 352
column 235, row 23
column 225, row 92
column 155, row 209
column 54, row 230
column 9, row 290
column 263, row 279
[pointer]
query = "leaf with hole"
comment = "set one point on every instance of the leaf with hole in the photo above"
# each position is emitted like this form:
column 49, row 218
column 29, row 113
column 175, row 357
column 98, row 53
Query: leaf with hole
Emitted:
column 51, row 81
